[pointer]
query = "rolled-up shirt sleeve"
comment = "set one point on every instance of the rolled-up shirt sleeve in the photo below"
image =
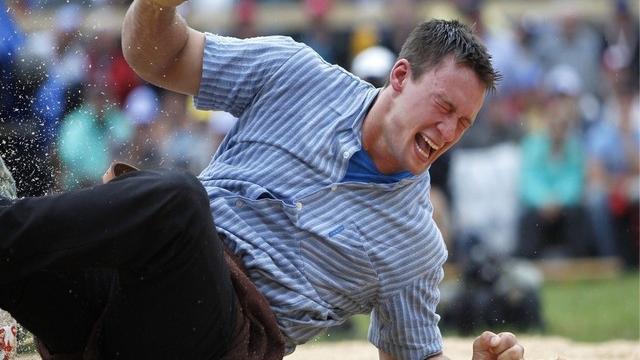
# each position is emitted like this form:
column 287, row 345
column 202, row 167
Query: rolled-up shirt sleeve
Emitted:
column 405, row 325
column 235, row 70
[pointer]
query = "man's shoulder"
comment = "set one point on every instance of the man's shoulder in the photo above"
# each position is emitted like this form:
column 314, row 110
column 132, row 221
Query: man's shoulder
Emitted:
column 257, row 41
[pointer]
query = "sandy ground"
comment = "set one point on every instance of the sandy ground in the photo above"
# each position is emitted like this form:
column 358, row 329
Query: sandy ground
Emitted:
column 537, row 348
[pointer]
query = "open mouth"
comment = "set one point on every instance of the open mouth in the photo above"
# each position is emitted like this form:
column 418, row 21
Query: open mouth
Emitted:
column 425, row 147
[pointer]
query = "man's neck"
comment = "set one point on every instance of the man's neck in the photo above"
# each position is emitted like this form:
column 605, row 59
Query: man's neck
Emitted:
column 372, row 136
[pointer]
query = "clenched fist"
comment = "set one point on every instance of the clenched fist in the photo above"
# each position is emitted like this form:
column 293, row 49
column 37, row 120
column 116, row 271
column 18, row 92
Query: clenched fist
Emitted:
column 503, row 346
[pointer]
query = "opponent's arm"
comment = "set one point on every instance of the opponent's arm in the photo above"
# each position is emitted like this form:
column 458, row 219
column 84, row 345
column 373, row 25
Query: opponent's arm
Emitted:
column 161, row 48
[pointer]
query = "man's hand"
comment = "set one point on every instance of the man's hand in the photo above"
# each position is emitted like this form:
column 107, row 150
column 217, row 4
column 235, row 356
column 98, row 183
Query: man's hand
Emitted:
column 116, row 169
column 168, row 3
column 503, row 346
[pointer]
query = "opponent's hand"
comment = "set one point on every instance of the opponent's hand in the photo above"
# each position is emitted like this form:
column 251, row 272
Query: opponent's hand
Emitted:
column 503, row 346
column 116, row 169
column 168, row 3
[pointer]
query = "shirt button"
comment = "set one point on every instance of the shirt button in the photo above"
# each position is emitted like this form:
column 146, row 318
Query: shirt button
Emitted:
column 346, row 154
column 299, row 205
column 334, row 187
column 239, row 203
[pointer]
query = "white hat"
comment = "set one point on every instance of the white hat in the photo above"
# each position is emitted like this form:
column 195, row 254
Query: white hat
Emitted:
column 141, row 105
column 373, row 62
column 221, row 122
column 563, row 79
column 68, row 18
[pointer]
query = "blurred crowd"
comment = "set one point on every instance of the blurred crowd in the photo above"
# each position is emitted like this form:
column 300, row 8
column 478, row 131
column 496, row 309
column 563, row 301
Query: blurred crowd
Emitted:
column 550, row 168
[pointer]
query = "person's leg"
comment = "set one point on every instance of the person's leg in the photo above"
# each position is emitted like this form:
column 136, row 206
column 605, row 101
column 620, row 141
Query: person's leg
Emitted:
column 61, row 308
column 44, row 300
column 531, row 234
column 124, row 224
column 573, row 231
column 600, row 222
column 626, row 224
column 183, row 310
column 156, row 230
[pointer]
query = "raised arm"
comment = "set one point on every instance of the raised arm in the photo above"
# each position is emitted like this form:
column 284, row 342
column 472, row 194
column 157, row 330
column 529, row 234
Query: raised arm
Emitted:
column 161, row 48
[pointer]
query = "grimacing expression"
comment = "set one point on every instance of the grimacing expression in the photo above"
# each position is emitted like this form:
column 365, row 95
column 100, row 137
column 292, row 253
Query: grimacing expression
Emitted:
column 430, row 114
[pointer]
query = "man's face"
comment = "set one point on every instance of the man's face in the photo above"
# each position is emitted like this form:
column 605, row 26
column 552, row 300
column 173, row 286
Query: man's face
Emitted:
column 428, row 116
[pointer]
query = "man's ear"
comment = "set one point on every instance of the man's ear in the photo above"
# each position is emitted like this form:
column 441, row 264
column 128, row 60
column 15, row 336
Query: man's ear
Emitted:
column 400, row 74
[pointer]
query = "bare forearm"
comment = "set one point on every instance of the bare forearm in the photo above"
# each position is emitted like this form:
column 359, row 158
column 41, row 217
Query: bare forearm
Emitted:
column 152, row 38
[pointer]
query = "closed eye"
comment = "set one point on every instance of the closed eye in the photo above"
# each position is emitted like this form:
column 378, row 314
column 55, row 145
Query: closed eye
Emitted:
column 444, row 108
column 466, row 123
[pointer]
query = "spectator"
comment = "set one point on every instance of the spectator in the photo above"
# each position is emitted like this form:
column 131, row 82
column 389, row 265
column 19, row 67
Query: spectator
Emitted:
column 622, row 40
column 69, row 65
column 373, row 65
column 552, row 180
column 244, row 25
column 189, row 143
column 12, row 40
column 572, row 41
column 613, row 148
column 142, row 108
column 90, row 137
column 221, row 122
column 106, row 60
column 318, row 34
column 24, row 130
column 403, row 16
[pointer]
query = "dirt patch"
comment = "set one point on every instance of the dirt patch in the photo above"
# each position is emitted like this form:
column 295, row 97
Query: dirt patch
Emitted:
column 536, row 348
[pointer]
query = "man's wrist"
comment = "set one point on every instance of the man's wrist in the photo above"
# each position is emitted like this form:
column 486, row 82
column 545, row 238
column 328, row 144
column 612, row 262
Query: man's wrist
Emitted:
column 155, row 9
column 436, row 356
column 162, row 4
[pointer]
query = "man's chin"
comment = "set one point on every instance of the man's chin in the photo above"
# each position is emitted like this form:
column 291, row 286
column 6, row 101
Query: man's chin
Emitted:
column 418, row 169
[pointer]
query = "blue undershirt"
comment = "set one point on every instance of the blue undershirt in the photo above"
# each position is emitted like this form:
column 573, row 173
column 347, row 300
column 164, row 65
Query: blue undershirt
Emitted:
column 362, row 169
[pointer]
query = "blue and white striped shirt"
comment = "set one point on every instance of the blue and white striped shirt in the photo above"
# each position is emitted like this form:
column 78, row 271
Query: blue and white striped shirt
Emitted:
column 319, row 249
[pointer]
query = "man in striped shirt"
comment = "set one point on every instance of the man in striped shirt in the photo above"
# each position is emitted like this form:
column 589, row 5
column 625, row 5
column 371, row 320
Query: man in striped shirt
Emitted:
column 321, row 189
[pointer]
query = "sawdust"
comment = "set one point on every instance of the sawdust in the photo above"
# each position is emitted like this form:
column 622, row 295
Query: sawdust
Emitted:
column 536, row 348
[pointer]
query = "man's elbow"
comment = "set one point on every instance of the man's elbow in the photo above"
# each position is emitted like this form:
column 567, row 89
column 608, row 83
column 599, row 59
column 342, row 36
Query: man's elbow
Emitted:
column 179, row 70
column 152, row 51
column 141, row 66
column 153, row 70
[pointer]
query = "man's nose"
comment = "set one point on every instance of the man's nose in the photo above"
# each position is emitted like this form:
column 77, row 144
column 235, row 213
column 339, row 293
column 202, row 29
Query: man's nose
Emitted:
column 448, row 128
